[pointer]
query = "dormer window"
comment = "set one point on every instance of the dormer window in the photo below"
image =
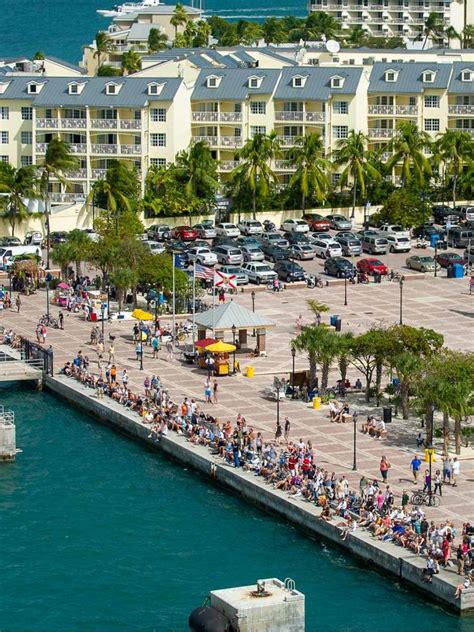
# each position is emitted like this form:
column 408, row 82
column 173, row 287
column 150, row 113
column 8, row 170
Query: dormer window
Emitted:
column 299, row 81
column 391, row 76
column 255, row 82
column 213, row 81
column 112, row 88
column 75, row 88
column 466, row 75
column 154, row 89
column 34, row 87
column 337, row 82
column 429, row 76
column 3, row 86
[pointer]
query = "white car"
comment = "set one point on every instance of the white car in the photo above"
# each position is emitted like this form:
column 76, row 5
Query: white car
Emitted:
column 156, row 247
column 252, row 253
column 393, row 229
column 250, row 227
column 398, row 244
column 327, row 249
column 295, row 226
column 312, row 237
column 258, row 272
column 204, row 231
column 226, row 229
column 201, row 255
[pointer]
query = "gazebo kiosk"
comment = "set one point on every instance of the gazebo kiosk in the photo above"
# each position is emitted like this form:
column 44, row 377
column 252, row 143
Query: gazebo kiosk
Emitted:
column 232, row 317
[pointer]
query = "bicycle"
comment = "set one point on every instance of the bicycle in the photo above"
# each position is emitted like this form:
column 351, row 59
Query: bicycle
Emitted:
column 425, row 498
column 49, row 321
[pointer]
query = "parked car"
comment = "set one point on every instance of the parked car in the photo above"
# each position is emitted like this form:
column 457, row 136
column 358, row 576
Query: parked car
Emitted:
column 258, row 272
column 93, row 236
column 176, row 245
column 289, row 271
column 226, row 229
column 459, row 237
column 159, row 232
column 204, row 231
column 184, row 233
column 228, row 254
column 10, row 241
column 469, row 255
column 248, row 241
column 301, row 251
column 369, row 232
column 394, row 229
column 445, row 259
column 398, row 244
column 295, row 226
column 33, row 238
column 317, row 223
column 274, row 253
column 350, row 244
column 440, row 211
column 221, row 241
column 426, row 231
column 155, row 247
column 252, row 253
column 339, row 222
column 327, row 249
column 204, row 256
column 319, row 237
column 370, row 265
column 296, row 238
column 339, row 267
column 57, row 237
column 466, row 213
column 421, row 263
column 274, row 239
column 375, row 245
column 250, row 227
column 241, row 277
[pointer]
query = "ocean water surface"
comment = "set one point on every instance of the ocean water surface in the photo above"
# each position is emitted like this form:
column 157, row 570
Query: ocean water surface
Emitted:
column 100, row 535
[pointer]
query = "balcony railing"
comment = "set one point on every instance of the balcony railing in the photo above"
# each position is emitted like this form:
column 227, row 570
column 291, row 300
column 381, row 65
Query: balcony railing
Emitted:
column 79, row 174
column 289, row 116
column 104, row 149
column 315, row 117
column 130, row 124
column 78, row 148
column 205, row 117
column 73, row 123
column 288, row 141
column 230, row 117
column 228, row 165
column 210, row 140
column 230, row 141
column 129, row 150
column 284, row 165
column 99, row 174
column 386, row 110
column 66, row 198
column 461, row 109
column 104, row 123
column 379, row 132
column 410, row 110
column 47, row 123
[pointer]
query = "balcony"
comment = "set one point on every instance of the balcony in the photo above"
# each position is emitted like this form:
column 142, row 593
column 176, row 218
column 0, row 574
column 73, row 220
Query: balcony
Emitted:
column 99, row 174
column 386, row 155
column 406, row 110
column 284, row 165
column 289, row 116
column 66, row 198
column 210, row 140
column 386, row 110
column 228, row 165
column 461, row 109
column 104, row 123
column 288, row 141
column 47, row 123
column 230, row 141
column 130, row 124
column 379, row 132
column 104, row 149
column 78, row 148
column 131, row 150
column 79, row 174
column 230, row 117
column 315, row 117
column 41, row 148
column 73, row 123
column 205, row 117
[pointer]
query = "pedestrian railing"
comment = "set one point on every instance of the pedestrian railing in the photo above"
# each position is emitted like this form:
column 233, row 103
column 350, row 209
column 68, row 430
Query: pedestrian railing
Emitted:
column 36, row 356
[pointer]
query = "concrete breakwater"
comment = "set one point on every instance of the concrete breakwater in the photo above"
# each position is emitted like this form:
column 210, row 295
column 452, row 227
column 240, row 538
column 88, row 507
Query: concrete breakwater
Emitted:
column 386, row 557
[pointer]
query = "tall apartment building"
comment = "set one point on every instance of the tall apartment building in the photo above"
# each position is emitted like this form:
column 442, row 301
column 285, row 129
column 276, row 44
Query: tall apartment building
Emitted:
column 396, row 18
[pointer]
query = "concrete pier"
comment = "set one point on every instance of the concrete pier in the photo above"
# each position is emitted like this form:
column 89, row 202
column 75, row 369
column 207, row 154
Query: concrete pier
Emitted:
column 385, row 556
column 7, row 435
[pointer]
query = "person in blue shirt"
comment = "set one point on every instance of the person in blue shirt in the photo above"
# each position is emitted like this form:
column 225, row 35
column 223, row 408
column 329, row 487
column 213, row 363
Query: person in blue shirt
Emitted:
column 415, row 467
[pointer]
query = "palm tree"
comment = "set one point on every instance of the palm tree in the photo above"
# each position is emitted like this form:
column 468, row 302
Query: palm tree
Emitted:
column 131, row 62
column 202, row 34
column 198, row 169
column 320, row 25
column 468, row 35
column 179, row 17
column 357, row 35
column 16, row 186
column 58, row 163
column 311, row 175
column 79, row 244
column 62, row 256
column 456, row 149
column 408, row 147
column 452, row 34
column 103, row 46
column 351, row 152
column 255, row 171
column 156, row 40
column 111, row 190
column 273, row 31
column 317, row 309
column 322, row 347
column 433, row 28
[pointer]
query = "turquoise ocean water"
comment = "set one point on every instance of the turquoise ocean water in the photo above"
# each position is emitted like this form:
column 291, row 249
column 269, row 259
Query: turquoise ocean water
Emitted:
column 100, row 535
column 61, row 27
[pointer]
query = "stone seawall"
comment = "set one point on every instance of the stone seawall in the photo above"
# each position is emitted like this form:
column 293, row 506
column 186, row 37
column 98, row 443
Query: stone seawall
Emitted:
column 388, row 558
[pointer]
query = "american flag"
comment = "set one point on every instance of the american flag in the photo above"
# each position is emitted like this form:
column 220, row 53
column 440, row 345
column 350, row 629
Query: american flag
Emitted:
column 204, row 273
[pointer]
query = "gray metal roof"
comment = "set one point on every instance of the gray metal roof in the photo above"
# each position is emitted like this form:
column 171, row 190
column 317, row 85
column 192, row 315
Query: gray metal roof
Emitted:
column 318, row 83
column 133, row 93
column 66, row 64
column 230, row 314
column 410, row 77
column 234, row 84
column 243, row 56
column 456, row 85
column 139, row 31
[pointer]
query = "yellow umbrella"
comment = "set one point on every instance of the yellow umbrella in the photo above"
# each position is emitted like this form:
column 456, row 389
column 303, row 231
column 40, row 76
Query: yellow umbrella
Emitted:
column 220, row 347
column 140, row 314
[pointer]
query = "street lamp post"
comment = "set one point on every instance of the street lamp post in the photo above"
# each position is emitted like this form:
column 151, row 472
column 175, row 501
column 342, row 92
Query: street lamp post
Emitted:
column 401, row 300
column 293, row 355
column 345, row 290
column 435, row 257
column 430, row 453
column 253, row 308
column 234, row 329
column 102, row 311
column 48, row 279
column 354, row 419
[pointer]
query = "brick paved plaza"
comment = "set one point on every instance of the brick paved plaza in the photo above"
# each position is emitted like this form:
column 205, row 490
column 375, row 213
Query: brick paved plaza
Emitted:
column 442, row 304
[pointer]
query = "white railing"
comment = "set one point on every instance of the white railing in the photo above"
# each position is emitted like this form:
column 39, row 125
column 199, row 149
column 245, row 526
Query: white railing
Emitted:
column 47, row 123
column 205, row 117
column 130, row 124
column 461, row 109
column 41, row 148
column 104, row 149
column 381, row 109
column 210, row 140
column 99, row 174
column 65, row 198
column 230, row 141
column 289, row 116
column 79, row 148
column 131, row 149
column 104, row 123
column 78, row 174
column 73, row 123
column 410, row 110
column 386, row 155
column 228, row 165
column 379, row 132
column 315, row 117
column 230, row 117
column 287, row 141
column 284, row 165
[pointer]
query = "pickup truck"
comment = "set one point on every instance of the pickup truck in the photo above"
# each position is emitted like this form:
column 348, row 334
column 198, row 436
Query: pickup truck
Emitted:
column 394, row 229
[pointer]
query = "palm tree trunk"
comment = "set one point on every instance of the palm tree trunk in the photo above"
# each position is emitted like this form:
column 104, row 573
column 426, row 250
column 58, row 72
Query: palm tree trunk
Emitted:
column 354, row 198
column 455, row 182
column 457, row 434
column 303, row 202
column 13, row 222
column 429, row 422
column 312, row 371
column 404, row 391
column 445, row 433
column 47, row 204
column 343, row 364
column 254, row 202
column 378, row 379
column 324, row 377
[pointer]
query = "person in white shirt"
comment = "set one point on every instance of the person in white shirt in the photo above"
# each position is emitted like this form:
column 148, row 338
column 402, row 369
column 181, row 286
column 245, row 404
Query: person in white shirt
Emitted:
column 456, row 470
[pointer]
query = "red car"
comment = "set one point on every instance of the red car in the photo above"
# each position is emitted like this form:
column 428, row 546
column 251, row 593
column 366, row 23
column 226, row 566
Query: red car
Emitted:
column 446, row 259
column 317, row 223
column 372, row 266
column 184, row 233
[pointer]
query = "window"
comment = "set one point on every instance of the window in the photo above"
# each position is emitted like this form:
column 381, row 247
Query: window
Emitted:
column 27, row 114
column 73, row 88
column 257, row 129
column 428, row 76
column 155, row 88
column 158, row 162
column 335, row 177
column 336, row 82
column 258, row 107
column 32, row 88
column 26, row 161
column 158, row 140
column 254, row 82
column 340, row 107
column 4, row 138
column 340, row 131
column 4, row 113
column 466, row 75
column 391, row 76
column 158, row 115
column 213, row 81
column 26, row 138
column 431, row 101
column 112, row 88
column 431, row 125
column 4, row 159
column 297, row 82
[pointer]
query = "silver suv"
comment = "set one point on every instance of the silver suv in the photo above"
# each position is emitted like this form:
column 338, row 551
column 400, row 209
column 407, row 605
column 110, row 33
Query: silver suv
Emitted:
column 258, row 272
column 350, row 245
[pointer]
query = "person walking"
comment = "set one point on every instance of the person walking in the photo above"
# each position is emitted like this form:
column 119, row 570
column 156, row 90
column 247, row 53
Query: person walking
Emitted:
column 384, row 468
column 438, row 482
column 18, row 303
column 155, row 346
column 278, row 432
column 427, row 485
column 215, row 388
column 100, row 353
column 415, row 465
column 112, row 353
column 287, row 429
column 447, row 469
column 456, row 469
column 169, row 350
column 61, row 320
column 208, row 392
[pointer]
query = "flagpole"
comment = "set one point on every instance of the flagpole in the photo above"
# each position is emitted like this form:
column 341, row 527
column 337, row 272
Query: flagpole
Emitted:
column 194, row 302
column 174, row 300
column 214, row 305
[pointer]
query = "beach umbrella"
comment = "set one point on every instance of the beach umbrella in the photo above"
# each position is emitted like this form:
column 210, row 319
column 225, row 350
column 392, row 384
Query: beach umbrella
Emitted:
column 140, row 314
column 205, row 342
column 221, row 347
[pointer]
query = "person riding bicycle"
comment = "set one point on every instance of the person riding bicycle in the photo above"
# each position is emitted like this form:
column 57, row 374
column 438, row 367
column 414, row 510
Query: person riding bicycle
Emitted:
column 276, row 284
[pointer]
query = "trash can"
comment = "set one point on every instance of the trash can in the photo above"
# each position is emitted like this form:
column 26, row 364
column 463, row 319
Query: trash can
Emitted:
column 338, row 324
column 250, row 371
column 333, row 320
column 316, row 403
column 458, row 271
column 450, row 272
column 387, row 414
column 433, row 240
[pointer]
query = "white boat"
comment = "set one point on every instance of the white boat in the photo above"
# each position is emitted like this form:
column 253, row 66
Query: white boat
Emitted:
column 127, row 7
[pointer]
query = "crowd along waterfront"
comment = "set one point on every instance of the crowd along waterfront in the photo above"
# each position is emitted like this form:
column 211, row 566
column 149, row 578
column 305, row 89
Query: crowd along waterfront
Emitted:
column 103, row 535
